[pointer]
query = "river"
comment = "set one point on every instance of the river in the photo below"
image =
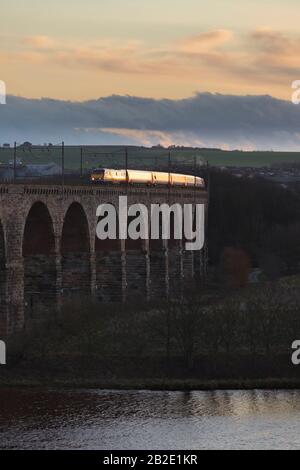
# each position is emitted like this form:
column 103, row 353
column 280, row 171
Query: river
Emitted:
column 110, row 420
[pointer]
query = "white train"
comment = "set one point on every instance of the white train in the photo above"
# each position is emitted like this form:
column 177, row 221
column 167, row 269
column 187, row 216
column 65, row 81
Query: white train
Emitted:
column 107, row 175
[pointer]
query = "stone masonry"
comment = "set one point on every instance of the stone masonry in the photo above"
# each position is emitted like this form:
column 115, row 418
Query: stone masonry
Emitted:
column 49, row 251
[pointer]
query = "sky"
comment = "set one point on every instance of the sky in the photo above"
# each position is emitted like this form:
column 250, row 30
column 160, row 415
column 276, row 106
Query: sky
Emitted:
column 160, row 48
column 86, row 51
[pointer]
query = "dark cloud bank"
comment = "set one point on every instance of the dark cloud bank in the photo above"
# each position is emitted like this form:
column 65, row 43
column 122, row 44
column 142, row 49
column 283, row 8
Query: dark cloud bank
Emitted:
column 258, row 122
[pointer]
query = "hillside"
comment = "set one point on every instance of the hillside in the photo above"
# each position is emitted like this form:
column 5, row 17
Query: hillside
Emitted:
column 146, row 157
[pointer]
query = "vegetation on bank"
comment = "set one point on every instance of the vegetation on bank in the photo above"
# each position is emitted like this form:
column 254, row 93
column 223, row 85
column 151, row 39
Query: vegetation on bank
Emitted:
column 235, row 339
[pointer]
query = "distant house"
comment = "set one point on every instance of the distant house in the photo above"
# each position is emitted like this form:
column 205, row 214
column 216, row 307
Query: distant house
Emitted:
column 18, row 162
column 6, row 146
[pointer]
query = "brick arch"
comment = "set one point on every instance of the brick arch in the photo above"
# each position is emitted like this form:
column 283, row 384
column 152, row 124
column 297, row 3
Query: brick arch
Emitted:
column 75, row 251
column 175, row 268
column 38, row 251
column 38, row 233
column 85, row 212
column 108, row 264
column 136, row 266
column 158, row 264
column 75, row 231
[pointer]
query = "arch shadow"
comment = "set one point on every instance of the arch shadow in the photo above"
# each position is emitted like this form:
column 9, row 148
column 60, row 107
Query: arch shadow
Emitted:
column 38, row 251
column 75, row 252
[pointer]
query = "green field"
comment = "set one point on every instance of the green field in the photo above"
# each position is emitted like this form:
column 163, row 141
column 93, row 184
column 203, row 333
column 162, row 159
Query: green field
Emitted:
column 141, row 157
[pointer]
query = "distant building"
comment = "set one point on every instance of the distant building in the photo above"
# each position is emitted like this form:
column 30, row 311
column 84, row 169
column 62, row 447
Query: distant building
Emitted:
column 6, row 146
column 158, row 147
column 18, row 162
column 26, row 145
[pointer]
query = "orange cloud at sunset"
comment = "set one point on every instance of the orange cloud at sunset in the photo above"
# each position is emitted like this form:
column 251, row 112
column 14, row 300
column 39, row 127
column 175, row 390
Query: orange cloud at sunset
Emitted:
column 262, row 61
column 39, row 42
column 205, row 41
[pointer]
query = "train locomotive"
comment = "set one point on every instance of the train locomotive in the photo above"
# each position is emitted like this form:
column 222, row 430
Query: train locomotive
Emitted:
column 108, row 175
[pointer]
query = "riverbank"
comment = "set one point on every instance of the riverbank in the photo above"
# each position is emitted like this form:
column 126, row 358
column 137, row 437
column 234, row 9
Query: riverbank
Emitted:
column 25, row 380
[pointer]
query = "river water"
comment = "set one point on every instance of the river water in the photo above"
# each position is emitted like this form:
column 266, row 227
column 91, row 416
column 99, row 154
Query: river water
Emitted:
column 110, row 420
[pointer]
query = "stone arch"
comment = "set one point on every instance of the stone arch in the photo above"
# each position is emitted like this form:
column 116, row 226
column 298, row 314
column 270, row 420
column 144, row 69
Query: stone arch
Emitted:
column 75, row 253
column 158, row 265
column 188, row 258
column 175, row 260
column 38, row 251
column 136, row 266
column 109, row 272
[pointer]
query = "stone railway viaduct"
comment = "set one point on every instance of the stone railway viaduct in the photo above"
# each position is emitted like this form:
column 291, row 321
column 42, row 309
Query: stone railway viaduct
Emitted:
column 49, row 251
